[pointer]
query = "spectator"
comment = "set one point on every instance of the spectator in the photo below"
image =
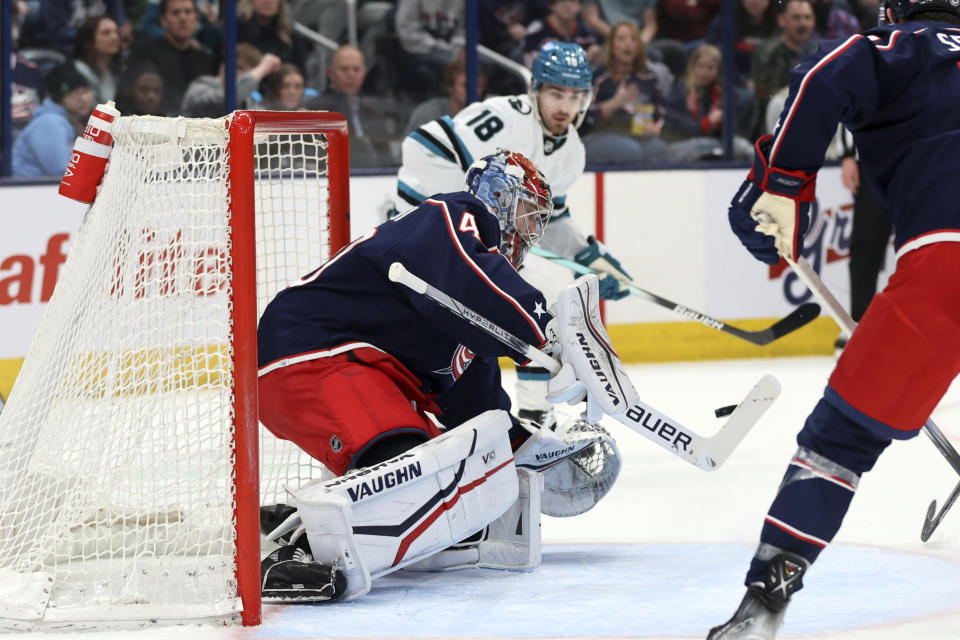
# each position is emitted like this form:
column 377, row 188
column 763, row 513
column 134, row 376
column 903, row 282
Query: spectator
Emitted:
column 600, row 14
column 503, row 27
column 563, row 24
column 694, row 111
column 455, row 88
column 266, row 25
column 775, row 57
column 96, row 55
column 141, row 91
column 27, row 92
column 177, row 55
column 431, row 32
column 207, row 33
column 626, row 118
column 503, row 23
column 284, row 89
column 374, row 135
column 832, row 22
column 206, row 96
column 756, row 20
column 681, row 26
column 53, row 25
column 43, row 148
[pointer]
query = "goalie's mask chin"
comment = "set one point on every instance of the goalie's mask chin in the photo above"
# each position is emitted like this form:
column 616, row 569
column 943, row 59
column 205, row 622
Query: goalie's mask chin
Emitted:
column 515, row 191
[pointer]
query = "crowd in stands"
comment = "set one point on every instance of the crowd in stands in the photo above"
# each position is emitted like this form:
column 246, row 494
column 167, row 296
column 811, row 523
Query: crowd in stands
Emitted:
column 657, row 94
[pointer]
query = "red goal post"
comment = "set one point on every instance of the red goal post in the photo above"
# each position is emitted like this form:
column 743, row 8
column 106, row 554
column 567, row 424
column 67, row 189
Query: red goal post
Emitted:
column 242, row 154
column 132, row 466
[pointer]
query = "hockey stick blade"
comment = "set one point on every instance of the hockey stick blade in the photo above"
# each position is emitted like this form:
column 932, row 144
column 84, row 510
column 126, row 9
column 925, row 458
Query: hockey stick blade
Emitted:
column 761, row 337
column 704, row 453
column 932, row 521
column 797, row 318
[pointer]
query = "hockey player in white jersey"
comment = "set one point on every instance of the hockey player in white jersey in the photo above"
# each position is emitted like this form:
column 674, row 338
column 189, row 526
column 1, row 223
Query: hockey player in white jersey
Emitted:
column 541, row 125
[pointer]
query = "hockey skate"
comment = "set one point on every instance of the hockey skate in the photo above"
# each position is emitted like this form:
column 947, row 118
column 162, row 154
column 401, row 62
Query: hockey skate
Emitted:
column 760, row 614
column 289, row 574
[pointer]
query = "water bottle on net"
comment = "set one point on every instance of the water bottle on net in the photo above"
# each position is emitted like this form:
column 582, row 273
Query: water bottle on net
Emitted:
column 89, row 157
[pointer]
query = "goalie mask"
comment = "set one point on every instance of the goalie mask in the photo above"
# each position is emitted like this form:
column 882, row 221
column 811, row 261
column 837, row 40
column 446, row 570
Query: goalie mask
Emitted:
column 515, row 191
column 566, row 65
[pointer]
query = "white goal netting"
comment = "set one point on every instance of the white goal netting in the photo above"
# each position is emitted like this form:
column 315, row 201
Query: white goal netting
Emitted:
column 117, row 443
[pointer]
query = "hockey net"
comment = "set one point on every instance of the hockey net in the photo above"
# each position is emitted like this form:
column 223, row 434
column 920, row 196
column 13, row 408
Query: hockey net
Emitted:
column 128, row 485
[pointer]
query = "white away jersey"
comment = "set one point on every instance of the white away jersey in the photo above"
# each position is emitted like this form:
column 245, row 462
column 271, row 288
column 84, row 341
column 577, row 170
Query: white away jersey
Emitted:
column 436, row 156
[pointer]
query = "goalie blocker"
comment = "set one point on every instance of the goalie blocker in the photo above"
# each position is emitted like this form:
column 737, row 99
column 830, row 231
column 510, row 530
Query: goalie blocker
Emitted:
column 401, row 512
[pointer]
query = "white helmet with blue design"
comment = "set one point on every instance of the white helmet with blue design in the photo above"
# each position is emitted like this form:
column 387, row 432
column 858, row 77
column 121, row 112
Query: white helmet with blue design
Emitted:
column 518, row 194
column 564, row 64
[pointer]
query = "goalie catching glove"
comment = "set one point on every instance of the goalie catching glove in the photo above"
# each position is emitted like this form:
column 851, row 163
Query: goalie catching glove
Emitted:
column 613, row 277
column 591, row 369
column 771, row 211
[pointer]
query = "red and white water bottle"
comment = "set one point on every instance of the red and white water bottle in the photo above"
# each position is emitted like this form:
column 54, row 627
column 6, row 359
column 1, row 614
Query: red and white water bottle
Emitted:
column 89, row 157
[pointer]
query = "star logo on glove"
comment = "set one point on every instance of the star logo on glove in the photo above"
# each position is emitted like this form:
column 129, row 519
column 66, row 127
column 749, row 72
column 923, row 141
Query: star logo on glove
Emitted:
column 539, row 310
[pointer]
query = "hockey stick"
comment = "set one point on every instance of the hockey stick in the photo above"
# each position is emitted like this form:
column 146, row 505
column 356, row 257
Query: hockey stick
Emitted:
column 789, row 323
column 705, row 453
column 847, row 324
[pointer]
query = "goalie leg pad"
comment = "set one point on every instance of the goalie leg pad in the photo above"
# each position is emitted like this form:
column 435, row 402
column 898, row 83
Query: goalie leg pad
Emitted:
column 586, row 349
column 512, row 541
column 384, row 517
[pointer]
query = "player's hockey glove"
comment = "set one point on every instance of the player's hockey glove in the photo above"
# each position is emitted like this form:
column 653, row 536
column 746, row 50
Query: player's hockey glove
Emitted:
column 613, row 277
column 771, row 211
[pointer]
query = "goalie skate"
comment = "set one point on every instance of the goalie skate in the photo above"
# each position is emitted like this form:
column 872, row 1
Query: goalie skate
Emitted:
column 289, row 574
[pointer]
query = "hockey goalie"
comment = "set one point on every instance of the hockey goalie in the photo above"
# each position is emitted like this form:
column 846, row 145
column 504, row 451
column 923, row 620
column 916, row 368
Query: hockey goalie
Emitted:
column 401, row 399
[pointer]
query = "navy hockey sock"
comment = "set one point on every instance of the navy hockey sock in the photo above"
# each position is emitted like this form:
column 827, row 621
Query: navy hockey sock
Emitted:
column 817, row 487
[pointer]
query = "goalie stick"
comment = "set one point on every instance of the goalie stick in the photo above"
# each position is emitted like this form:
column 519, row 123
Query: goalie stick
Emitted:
column 706, row 453
column 788, row 324
column 838, row 312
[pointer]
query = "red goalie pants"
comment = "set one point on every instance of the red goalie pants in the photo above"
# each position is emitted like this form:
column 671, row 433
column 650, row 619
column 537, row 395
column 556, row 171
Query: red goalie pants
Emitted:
column 334, row 408
column 906, row 350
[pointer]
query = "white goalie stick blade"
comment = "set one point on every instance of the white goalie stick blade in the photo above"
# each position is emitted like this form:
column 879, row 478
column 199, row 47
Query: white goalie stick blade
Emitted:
column 704, row 453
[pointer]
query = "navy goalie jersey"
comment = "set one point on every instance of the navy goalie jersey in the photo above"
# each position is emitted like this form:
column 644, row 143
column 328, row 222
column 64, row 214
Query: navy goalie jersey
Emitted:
column 897, row 89
column 451, row 241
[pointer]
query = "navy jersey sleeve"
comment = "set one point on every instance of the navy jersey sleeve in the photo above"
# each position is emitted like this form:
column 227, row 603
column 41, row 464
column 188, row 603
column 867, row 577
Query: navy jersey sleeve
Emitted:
column 895, row 88
column 832, row 86
column 458, row 254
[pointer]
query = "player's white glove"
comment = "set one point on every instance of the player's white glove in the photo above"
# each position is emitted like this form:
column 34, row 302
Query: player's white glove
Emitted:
column 591, row 369
column 613, row 277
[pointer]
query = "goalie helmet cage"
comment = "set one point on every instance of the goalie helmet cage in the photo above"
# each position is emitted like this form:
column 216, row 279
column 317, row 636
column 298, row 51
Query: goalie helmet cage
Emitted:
column 130, row 467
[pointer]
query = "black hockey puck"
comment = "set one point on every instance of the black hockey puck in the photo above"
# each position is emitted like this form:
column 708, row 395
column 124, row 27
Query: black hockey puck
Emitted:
column 725, row 411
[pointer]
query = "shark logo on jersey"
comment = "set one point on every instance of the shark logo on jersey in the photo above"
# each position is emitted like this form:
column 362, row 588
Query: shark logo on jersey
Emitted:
column 519, row 106
column 462, row 357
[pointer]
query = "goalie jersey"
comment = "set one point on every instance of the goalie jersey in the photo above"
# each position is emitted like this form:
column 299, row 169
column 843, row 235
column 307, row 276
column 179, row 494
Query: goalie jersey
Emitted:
column 436, row 157
column 451, row 242
column 896, row 88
